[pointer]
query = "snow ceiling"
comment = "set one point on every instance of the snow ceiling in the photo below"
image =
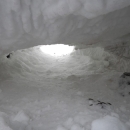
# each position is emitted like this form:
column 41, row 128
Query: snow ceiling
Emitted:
column 26, row 23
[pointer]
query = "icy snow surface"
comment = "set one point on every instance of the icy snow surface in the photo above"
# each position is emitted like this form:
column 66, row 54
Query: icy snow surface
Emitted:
column 42, row 92
column 26, row 23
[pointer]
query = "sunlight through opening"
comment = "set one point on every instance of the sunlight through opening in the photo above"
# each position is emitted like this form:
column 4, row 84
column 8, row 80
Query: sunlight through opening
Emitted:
column 57, row 49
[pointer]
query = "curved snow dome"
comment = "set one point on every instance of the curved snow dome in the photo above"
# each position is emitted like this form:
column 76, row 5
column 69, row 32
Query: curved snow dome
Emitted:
column 27, row 23
column 62, row 64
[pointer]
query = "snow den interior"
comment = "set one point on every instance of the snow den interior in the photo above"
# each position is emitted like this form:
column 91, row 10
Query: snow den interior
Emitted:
column 64, row 64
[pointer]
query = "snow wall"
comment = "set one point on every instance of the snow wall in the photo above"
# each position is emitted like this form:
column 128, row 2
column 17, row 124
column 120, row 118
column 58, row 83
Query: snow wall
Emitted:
column 35, row 64
column 26, row 23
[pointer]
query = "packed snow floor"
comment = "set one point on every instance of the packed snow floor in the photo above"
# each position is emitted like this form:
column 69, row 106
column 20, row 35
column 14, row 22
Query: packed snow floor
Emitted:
column 79, row 91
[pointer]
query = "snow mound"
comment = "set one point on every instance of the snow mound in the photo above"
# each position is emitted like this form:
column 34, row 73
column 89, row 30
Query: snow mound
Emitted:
column 20, row 121
column 21, row 117
column 4, row 121
column 81, row 121
column 108, row 123
column 4, row 125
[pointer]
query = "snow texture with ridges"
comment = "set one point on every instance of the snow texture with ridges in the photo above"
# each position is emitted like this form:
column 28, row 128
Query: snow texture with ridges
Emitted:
column 25, row 23
column 31, row 62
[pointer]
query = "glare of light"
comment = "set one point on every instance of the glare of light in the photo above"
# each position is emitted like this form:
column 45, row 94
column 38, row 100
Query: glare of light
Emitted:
column 57, row 49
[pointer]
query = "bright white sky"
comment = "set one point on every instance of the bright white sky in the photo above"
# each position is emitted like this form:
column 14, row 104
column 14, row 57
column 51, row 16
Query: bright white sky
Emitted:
column 57, row 50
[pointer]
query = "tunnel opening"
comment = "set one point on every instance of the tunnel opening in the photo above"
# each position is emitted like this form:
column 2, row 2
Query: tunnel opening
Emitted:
column 57, row 49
